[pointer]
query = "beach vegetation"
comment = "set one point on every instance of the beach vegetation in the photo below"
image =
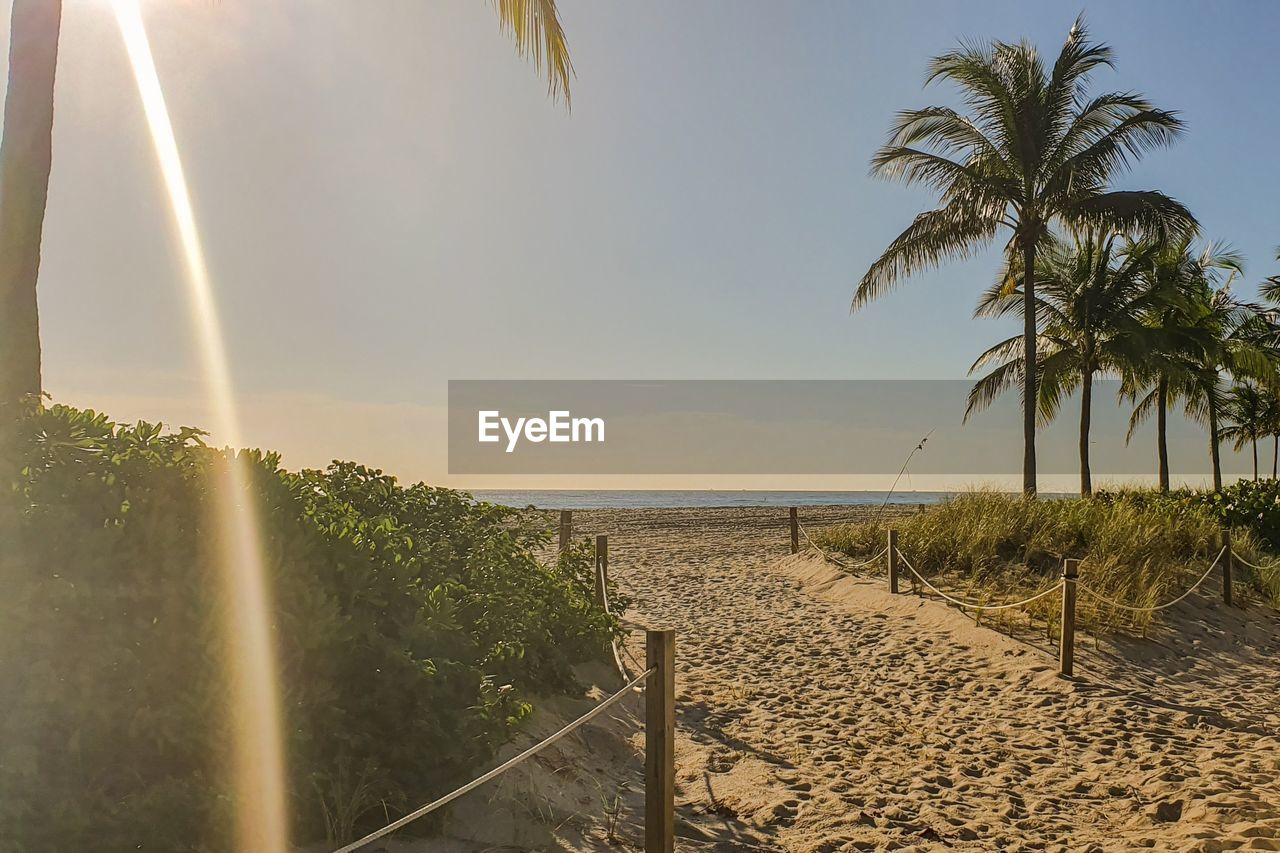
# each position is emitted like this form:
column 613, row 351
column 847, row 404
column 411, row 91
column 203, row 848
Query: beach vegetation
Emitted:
column 412, row 626
column 1139, row 548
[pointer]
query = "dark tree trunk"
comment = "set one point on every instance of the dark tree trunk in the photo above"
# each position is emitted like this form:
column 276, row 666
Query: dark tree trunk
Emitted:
column 1086, row 414
column 1162, row 430
column 1029, row 359
column 26, row 154
column 1213, row 444
column 1255, row 460
column 1275, row 454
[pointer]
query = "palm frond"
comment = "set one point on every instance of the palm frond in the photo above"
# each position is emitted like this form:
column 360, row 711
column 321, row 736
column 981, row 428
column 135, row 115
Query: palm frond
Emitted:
column 914, row 166
column 1141, row 411
column 948, row 233
column 947, row 132
column 1076, row 60
column 1010, row 349
column 535, row 26
column 1270, row 289
column 985, row 86
column 1107, row 137
column 1140, row 211
column 985, row 391
column 1059, row 375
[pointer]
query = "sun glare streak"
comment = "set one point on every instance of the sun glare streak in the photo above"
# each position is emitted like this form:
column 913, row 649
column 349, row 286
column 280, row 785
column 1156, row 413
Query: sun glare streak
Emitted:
column 258, row 755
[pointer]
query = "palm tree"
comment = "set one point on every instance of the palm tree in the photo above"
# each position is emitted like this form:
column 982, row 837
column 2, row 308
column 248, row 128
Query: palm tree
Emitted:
column 1034, row 150
column 1246, row 411
column 26, row 159
column 26, row 153
column 1179, row 277
column 1270, row 291
column 1240, row 346
column 1090, row 304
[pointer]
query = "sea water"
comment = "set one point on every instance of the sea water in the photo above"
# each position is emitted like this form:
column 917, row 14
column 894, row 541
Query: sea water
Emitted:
column 674, row 499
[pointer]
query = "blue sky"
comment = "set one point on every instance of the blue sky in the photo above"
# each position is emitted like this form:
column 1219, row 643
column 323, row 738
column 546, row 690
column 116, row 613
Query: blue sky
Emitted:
column 389, row 200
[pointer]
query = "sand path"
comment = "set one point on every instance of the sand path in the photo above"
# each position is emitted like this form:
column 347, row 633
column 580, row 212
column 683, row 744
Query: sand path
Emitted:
column 820, row 714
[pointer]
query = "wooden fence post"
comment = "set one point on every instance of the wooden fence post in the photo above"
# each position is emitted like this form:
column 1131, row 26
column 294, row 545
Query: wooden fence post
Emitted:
column 660, row 743
column 602, row 568
column 892, row 551
column 795, row 532
column 566, row 529
column 1067, row 647
column 1226, row 566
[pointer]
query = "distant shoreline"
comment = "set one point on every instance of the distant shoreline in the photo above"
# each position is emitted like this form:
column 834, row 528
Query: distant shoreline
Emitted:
column 585, row 499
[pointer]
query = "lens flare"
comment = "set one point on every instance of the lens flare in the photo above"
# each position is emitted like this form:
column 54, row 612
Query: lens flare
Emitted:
column 258, row 755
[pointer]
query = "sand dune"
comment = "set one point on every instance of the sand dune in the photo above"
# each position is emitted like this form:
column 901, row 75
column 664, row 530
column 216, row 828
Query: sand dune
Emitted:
column 816, row 712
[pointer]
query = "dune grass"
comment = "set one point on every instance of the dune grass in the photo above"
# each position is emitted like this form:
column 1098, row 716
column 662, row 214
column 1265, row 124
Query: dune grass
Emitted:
column 1136, row 548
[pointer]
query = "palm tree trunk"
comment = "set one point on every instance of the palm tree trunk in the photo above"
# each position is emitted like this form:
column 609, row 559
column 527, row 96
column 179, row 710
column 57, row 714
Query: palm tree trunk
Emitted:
column 1029, row 360
column 1162, row 430
column 1275, row 454
column 26, row 155
column 1213, row 444
column 1086, row 406
column 1255, row 460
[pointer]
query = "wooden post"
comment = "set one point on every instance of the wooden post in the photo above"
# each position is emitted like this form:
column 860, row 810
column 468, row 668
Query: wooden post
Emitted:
column 795, row 532
column 660, row 743
column 892, row 552
column 1067, row 647
column 602, row 568
column 1227, row 566
column 566, row 529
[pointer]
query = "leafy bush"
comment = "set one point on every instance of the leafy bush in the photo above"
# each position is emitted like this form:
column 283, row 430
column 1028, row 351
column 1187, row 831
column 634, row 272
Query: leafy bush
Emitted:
column 1254, row 506
column 1138, row 548
column 411, row 625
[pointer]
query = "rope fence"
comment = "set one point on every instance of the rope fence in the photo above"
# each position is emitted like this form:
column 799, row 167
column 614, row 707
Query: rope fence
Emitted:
column 1068, row 584
column 842, row 563
column 798, row 530
column 602, row 594
column 976, row 605
column 1155, row 607
column 500, row 769
column 1267, row 568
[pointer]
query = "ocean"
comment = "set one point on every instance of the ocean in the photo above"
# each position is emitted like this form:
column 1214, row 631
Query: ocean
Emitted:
column 675, row 499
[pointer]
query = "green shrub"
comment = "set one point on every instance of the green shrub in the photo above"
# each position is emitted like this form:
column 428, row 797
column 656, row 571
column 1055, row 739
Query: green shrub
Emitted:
column 1137, row 548
column 411, row 625
column 1254, row 506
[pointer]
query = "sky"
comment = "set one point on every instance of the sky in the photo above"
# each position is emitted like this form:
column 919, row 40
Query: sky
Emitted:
column 388, row 199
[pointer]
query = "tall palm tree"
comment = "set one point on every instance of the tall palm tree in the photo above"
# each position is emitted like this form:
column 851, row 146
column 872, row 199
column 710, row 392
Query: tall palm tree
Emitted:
column 1246, row 413
column 26, row 159
column 26, row 153
column 1180, row 277
column 1034, row 150
column 1089, row 306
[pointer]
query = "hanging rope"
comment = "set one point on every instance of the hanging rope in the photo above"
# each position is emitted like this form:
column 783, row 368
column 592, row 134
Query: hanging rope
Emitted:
column 826, row 555
column 973, row 605
column 1131, row 609
column 1237, row 558
column 500, row 769
column 613, row 641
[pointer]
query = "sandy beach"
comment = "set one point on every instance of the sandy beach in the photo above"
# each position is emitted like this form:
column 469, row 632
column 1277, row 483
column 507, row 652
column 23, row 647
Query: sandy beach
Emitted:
column 816, row 712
